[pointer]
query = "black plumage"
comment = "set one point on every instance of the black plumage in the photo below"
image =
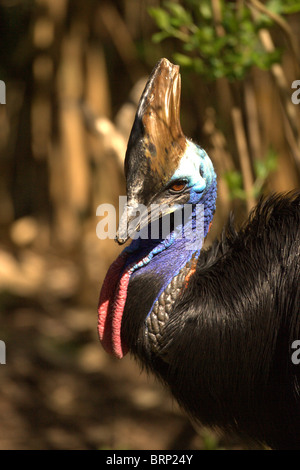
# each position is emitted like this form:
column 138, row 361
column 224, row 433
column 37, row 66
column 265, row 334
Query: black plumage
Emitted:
column 229, row 336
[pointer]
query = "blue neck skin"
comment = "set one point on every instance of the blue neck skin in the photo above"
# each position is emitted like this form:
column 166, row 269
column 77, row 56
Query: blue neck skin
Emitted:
column 168, row 256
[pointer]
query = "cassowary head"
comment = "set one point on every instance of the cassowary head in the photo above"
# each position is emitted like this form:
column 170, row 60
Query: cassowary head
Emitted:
column 162, row 166
column 165, row 174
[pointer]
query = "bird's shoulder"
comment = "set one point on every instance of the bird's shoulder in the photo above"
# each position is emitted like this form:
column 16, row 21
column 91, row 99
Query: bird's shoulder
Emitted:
column 273, row 224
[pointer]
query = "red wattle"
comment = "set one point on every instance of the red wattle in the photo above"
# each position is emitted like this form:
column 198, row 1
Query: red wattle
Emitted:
column 111, row 305
column 119, row 348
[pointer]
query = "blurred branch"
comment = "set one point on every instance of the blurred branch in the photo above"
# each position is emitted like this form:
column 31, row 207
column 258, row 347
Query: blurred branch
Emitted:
column 120, row 36
column 252, row 120
column 217, row 15
column 244, row 157
column 113, row 140
column 280, row 21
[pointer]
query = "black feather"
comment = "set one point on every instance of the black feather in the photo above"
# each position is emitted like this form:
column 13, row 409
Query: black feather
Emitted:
column 228, row 340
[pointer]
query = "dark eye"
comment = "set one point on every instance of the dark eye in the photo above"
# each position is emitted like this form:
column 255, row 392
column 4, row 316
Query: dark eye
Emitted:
column 177, row 186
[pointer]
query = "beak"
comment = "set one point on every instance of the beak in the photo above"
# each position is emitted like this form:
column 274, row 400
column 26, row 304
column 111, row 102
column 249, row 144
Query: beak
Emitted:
column 135, row 219
column 129, row 224
column 155, row 147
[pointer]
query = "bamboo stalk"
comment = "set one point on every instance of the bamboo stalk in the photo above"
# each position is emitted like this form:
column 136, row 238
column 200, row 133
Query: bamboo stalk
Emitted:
column 112, row 140
column 222, row 161
column 120, row 36
column 244, row 157
column 217, row 16
column 252, row 120
column 97, row 83
column 76, row 178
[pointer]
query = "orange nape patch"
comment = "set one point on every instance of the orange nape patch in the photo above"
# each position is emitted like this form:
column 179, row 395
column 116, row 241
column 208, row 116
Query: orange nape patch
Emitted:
column 191, row 271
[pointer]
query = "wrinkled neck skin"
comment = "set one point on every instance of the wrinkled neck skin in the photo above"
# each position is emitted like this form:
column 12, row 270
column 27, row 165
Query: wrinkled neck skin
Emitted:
column 155, row 263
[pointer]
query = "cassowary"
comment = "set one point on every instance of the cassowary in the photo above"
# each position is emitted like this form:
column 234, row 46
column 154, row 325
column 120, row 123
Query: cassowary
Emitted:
column 216, row 325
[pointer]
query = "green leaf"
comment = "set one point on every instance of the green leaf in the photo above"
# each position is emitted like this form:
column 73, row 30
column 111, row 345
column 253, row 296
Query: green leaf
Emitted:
column 161, row 17
column 183, row 60
column 160, row 36
column 290, row 9
column 231, row 55
column 271, row 160
column 210, row 441
column 199, row 67
column 234, row 182
column 205, row 9
column 184, row 17
column 261, row 170
column 275, row 6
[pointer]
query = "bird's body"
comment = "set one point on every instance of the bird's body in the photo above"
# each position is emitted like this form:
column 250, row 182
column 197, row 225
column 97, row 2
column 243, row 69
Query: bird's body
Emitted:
column 217, row 325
